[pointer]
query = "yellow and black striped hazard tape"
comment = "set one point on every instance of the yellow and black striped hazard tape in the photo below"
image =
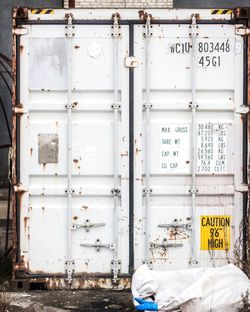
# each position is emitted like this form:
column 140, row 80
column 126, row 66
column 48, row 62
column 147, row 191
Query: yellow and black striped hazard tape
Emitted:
column 42, row 11
column 221, row 11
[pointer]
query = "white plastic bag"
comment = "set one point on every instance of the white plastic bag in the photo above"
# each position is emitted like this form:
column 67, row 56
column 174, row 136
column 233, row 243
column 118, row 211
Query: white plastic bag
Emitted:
column 193, row 290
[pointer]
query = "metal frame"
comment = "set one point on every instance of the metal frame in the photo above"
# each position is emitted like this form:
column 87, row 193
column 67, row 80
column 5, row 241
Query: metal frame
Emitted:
column 122, row 22
column 131, row 153
column 18, row 272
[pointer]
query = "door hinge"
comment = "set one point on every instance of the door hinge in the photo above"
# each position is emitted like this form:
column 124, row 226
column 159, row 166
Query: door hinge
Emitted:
column 243, row 109
column 69, row 28
column 242, row 188
column 20, row 31
column 194, row 28
column 69, row 268
column 19, row 110
column 131, row 62
column 116, row 27
column 115, row 269
column 148, row 27
column 242, row 30
column 20, row 188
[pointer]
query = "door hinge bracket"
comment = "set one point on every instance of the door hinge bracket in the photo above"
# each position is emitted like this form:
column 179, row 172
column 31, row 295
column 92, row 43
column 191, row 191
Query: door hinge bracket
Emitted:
column 20, row 31
column 148, row 27
column 116, row 105
column 115, row 269
column 69, row 191
column 69, row 268
column 19, row 110
column 149, row 263
column 20, row 188
column 116, row 27
column 116, row 191
column 242, row 188
column 193, row 106
column 69, row 106
column 242, row 30
column 131, row 61
column 147, row 190
column 193, row 191
column 243, row 109
column 194, row 28
column 147, row 105
column 69, row 28
column 193, row 262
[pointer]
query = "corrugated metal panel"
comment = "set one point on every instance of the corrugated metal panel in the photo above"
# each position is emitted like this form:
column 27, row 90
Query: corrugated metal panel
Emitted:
column 79, row 83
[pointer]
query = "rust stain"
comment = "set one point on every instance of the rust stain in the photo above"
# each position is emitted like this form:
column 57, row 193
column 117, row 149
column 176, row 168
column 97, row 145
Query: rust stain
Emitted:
column 143, row 15
column 137, row 150
column 13, row 154
column 124, row 154
column 75, row 217
column 75, row 160
column 86, row 282
column 44, row 166
column 25, row 219
column 31, row 151
column 21, row 48
column 77, row 47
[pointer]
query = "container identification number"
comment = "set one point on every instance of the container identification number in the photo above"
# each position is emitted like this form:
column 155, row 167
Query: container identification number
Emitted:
column 203, row 47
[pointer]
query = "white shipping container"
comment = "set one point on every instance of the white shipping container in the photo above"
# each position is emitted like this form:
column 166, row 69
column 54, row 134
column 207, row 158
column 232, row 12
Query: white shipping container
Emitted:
column 130, row 132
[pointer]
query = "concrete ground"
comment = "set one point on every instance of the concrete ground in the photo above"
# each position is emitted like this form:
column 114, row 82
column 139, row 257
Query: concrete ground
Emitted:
column 62, row 301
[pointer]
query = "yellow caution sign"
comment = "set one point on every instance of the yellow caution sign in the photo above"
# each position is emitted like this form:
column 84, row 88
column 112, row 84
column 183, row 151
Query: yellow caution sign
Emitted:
column 42, row 11
column 215, row 232
column 221, row 12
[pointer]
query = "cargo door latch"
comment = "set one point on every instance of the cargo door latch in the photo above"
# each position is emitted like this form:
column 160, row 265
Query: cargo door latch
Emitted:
column 87, row 225
column 165, row 244
column 176, row 225
column 98, row 245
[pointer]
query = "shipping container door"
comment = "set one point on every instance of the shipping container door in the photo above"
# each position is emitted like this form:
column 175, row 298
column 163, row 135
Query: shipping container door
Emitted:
column 74, row 149
column 188, row 145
